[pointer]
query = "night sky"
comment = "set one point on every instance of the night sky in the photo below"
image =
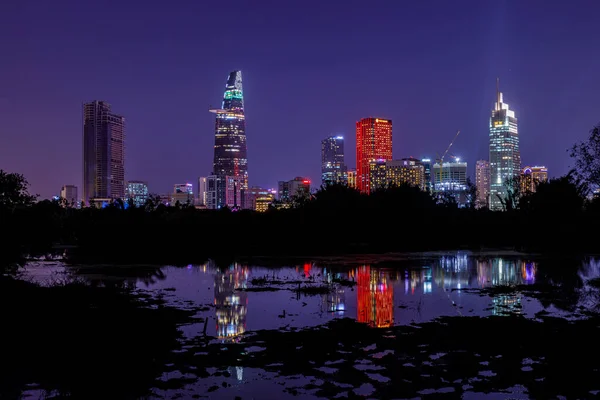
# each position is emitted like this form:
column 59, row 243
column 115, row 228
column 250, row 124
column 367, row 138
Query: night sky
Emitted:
column 310, row 69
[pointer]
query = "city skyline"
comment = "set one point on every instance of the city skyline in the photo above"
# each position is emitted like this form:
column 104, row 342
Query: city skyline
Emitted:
column 163, row 83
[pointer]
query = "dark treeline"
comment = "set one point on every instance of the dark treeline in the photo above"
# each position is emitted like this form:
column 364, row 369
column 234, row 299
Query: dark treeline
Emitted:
column 559, row 217
column 337, row 220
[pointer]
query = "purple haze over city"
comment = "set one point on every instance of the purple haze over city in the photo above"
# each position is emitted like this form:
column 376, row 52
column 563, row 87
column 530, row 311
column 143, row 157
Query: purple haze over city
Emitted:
column 310, row 69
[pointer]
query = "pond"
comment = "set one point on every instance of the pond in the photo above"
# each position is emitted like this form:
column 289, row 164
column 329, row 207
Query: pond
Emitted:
column 457, row 325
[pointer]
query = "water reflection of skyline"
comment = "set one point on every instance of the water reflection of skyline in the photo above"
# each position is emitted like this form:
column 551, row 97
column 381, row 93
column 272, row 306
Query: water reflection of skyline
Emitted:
column 231, row 305
column 374, row 290
column 375, row 297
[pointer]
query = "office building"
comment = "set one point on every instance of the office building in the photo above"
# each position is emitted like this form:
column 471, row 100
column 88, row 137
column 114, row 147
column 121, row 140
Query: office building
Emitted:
column 183, row 194
column 289, row 190
column 373, row 142
column 482, row 182
column 505, row 157
column 230, row 157
column 531, row 176
column 69, row 193
column 103, row 152
column 138, row 192
column 333, row 168
column 427, row 171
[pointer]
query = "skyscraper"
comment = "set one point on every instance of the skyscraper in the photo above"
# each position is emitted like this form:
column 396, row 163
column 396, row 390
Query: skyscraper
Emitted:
column 230, row 157
column 103, row 152
column 333, row 169
column 505, row 158
column 373, row 142
column 482, row 182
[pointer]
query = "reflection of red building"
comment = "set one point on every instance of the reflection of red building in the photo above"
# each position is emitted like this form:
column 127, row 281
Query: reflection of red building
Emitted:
column 307, row 268
column 375, row 298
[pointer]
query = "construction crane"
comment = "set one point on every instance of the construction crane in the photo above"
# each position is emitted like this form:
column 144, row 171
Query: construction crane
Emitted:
column 441, row 159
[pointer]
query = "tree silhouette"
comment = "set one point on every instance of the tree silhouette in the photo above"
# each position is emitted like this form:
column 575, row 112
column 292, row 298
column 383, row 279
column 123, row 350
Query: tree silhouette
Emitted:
column 587, row 159
column 14, row 190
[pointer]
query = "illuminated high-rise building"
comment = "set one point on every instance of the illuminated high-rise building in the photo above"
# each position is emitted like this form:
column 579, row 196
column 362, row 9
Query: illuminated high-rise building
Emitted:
column 505, row 157
column 531, row 176
column 373, row 142
column 230, row 158
column 103, row 152
column 482, row 182
column 333, row 168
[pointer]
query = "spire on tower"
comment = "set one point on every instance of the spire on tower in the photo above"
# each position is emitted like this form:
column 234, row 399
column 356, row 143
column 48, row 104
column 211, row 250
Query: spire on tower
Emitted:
column 498, row 95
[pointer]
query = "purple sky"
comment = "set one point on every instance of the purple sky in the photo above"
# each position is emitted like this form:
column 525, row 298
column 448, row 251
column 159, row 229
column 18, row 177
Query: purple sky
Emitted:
column 310, row 69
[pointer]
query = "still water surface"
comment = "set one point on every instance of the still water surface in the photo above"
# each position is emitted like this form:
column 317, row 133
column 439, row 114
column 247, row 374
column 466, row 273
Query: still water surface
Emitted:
column 235, row 300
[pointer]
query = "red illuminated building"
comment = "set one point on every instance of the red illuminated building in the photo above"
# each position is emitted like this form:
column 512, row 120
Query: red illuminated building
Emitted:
column 375, row 298
column 373, row 142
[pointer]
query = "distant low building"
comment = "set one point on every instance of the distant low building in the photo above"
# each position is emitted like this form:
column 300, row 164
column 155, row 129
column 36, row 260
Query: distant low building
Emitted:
column 406, row 171
column 297, row 187
column 255, row 193
column 183, row 194
column 352, row 178
column 450, row 176
column 531, row 177
column 482, row 182
column 262, row 203
column 229, row 186
column 427, row 169
column 138, row 192
column 201, row 199
column 69, row 193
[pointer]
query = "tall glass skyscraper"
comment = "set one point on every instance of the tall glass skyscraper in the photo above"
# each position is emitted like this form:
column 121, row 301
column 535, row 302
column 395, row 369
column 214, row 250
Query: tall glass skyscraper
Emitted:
column 103, row 152
column 333, row 169
column 230, row 157
column 505, row 157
